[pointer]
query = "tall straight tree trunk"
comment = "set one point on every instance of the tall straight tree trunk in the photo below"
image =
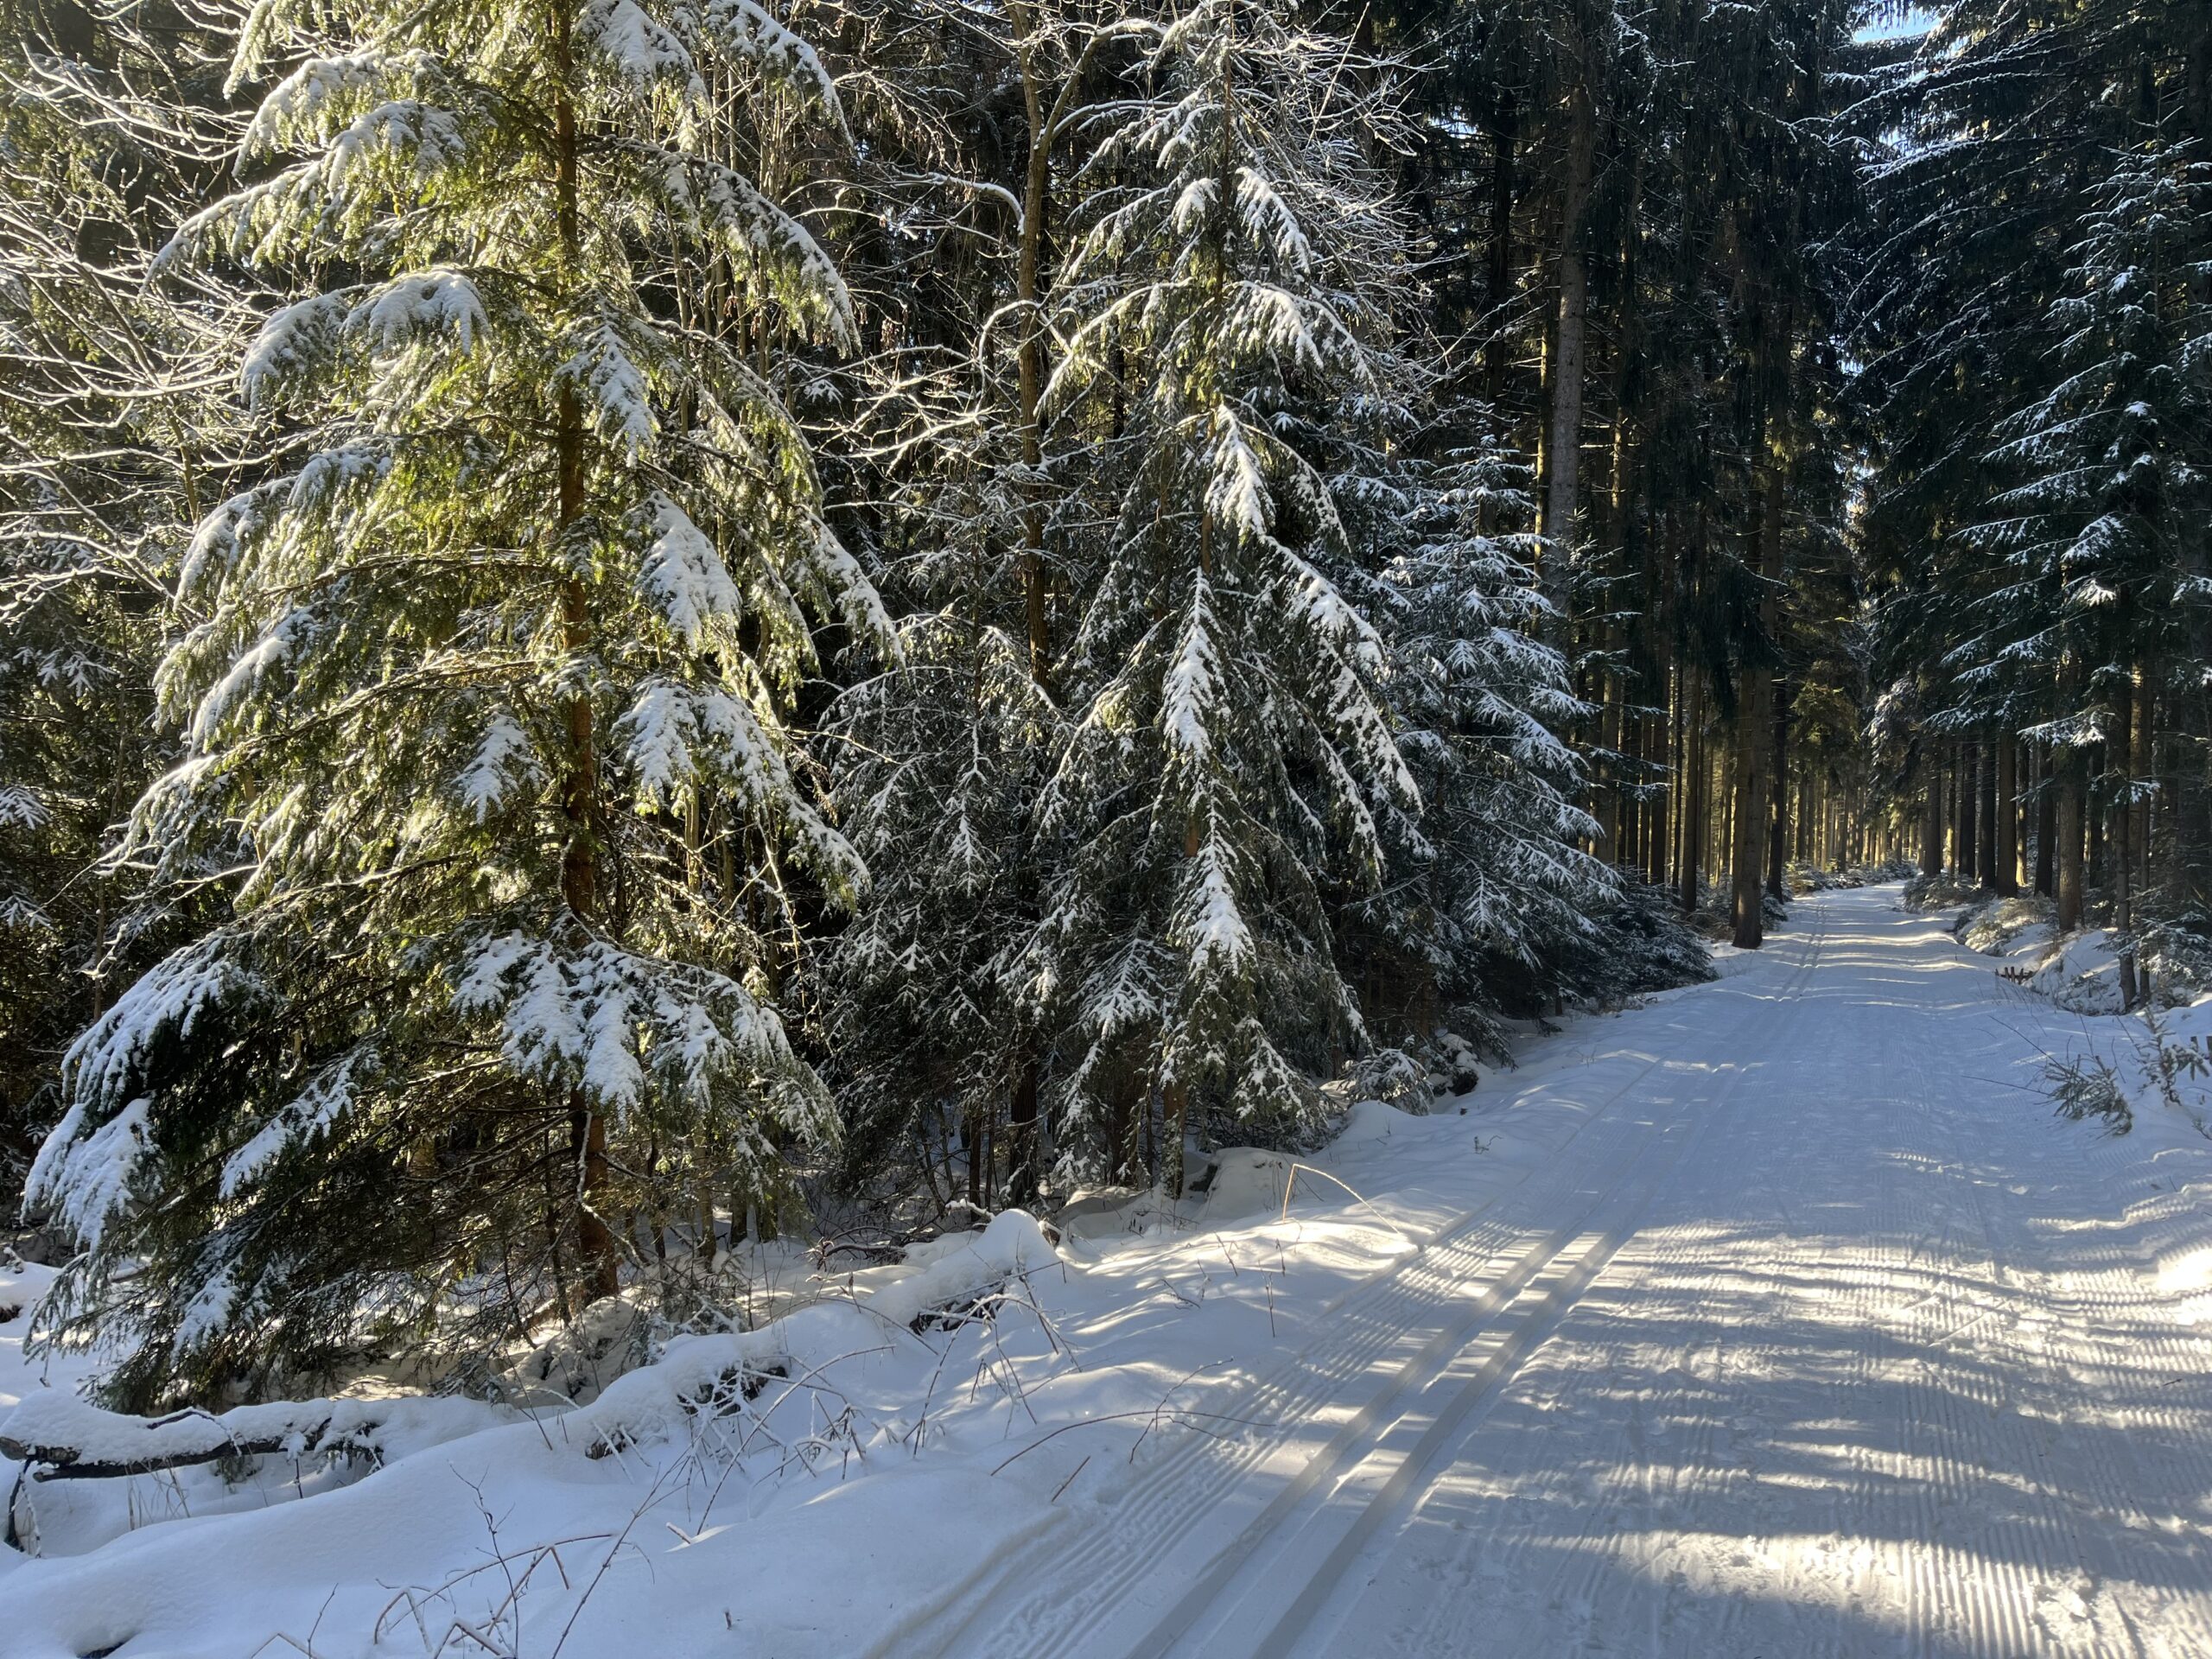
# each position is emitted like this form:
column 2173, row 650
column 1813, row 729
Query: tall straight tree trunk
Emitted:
column 1747, row 825
column 1931, row 821
column 1044, row 119
column 1021, row 1171
column 2073, row 786
column 1986, row 773
column 1777, row 856
column 2046, row 826
column 1692, row 779
column 579, row 783
column 1720, row 844
column 1610, row 742
column 1755, row 745
column 1563, row 444
column 1968, row 792
column 2006, row 814
column 1497, row 362
column 2096, row 763
column 2192, row 722
column 2123, row 823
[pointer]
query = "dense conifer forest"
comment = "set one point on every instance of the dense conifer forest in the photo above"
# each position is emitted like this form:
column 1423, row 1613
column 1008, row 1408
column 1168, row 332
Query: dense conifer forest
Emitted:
column 636, row 625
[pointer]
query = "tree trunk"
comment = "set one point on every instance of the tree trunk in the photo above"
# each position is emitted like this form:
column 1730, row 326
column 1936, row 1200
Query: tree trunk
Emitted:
column 1021, row 1171
column 1931, row 822
column 2071, row 788
column 2123, row 848
column 1777, row 854
column 2006, row 814
column 1986, row 772
column 579, row 783
column 1563, row 444
column 1747, row 853
column 1044, row 120
column 1035, row 200
column 1968, row 790
column 2191, row 719
column 1499, row 293
column 1692, row 810
column 1755, row 745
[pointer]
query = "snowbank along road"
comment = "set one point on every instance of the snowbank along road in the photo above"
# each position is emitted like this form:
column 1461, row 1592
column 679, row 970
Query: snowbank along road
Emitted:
column 1776, row 1317
column 1814, row 1333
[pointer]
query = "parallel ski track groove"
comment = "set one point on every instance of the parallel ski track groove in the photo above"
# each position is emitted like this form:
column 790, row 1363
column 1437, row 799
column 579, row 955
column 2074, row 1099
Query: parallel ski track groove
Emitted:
column 1624, row 1162
column 2093, row 1300
column 1454, row 1625
column 1090, row 1572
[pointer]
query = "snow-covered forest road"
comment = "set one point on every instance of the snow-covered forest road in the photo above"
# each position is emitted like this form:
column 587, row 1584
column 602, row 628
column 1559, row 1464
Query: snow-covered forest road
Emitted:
column 1777, row 1317
column 1815, row 1334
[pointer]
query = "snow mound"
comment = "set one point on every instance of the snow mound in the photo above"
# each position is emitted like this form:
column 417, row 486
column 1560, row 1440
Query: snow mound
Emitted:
column 607, row 1340
column 2082, row 975
column 1247, row 1182
column 660, row 1400
column 56, row 1430
column 1237, row 1183
column 2008, row 927
column 1371, row 1121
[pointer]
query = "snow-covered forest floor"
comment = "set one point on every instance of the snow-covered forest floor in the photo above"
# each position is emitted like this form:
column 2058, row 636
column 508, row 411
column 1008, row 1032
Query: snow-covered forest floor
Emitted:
column 1777, row 1315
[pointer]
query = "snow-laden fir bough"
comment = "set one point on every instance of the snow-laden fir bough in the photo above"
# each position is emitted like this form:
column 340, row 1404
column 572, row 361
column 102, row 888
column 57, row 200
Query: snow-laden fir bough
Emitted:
column 511, row 607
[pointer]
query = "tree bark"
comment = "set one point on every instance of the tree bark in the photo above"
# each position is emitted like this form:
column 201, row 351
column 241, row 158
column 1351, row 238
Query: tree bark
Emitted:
column 1563, row 444
column 1036, row 188
column 2123, row 824
column 2192, row 721
column 1966, row 851
column 2047, row 828
column 1931, row 822
column 579, row 785
column 2006, row 814
column 1499, row 291
column 1986, row 775
column 1754, row 728
column 2072, row 787
column 1747, row 851
column 1022, row 1172
column 1692, row 779
column 1777, row 854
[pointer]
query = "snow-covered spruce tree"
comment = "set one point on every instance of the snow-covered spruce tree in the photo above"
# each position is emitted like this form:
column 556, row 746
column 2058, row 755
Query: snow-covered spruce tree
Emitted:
column 931, row 989
column 1508, row 908
column 2105, row 587
column 102, row 446
column 1228, row 754
column 509, row 610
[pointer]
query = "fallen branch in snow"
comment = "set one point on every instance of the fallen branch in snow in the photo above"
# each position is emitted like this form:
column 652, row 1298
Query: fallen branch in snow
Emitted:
column 697, row 1375
column 118, row 1446
column 60, row 1437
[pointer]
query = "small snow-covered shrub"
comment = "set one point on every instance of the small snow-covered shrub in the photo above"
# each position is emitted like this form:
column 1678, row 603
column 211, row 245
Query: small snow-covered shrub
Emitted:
column 1637, row 945
column 1940, row 890
column 2175, row 956
column 1993, row 926
column 2082, row 975
column 1395, row 1076
column 2087, row 1086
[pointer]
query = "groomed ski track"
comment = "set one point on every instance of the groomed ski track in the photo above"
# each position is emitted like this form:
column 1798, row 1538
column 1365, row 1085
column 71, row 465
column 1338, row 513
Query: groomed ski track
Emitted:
column 1815, row 1334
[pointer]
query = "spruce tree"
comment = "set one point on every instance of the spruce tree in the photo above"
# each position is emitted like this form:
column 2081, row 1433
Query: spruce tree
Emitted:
column 517, row 593
column 1508, row 905
column 2101, row 540
column 1227, row 750
column 105, row 442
